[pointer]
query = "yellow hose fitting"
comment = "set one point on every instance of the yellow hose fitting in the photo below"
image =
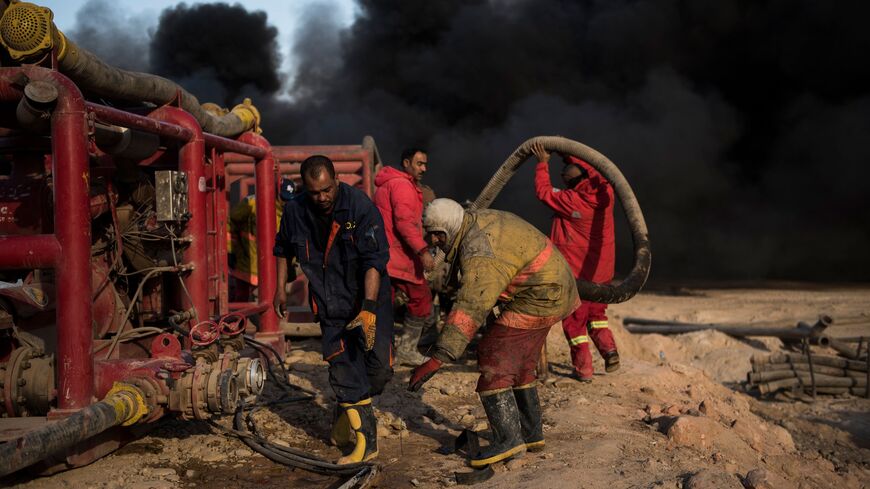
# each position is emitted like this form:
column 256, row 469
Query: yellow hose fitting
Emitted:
column 249, row 115
column 27, row 29
column 129, row 403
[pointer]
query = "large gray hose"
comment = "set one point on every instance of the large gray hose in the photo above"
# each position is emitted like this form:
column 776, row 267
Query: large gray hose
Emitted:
column 36, row 445
column 28, row 34
column 604, row 293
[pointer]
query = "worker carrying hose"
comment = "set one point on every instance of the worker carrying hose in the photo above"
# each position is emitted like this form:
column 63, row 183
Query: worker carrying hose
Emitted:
column 583, row 231
column 504, row 261
column 336, row 234
column 242, row 250
column 399, row 198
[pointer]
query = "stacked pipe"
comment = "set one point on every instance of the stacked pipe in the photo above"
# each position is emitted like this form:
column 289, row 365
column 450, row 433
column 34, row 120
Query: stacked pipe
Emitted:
column 813, row 374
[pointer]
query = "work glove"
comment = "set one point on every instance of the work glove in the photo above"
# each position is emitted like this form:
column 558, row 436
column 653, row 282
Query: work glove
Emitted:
column 368, row 320
column 423, row 373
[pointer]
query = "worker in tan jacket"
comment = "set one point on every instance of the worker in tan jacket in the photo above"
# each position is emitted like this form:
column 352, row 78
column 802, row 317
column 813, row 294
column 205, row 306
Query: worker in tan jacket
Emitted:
column 502, row 260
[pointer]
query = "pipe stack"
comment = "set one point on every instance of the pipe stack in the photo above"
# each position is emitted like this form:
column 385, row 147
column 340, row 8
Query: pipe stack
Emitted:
column 813, row 374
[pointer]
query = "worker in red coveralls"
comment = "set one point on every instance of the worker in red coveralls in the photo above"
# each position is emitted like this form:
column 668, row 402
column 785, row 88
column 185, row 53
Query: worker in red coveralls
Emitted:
column 583, row 232
column 399, row 198
column 502, row 260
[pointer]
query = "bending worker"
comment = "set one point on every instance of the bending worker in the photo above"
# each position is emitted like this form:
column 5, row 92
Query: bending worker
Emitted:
column 337, row 236
column 583, row 232
column 502, row 260
column 399, row 198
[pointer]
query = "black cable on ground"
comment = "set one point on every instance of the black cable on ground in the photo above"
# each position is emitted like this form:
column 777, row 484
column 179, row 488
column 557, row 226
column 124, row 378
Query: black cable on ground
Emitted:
column 244, row 426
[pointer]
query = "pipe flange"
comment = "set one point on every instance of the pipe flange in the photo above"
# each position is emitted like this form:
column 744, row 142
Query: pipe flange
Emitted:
column 129, row 402
column 229, row 392
column 12, row 390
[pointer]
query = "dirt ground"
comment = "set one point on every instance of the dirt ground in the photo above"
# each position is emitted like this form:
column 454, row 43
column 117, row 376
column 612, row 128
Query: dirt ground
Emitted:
column 674, row 416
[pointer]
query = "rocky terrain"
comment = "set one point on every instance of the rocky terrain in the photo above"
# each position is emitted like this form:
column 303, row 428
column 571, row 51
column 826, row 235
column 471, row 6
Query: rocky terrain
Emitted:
column 674, row 416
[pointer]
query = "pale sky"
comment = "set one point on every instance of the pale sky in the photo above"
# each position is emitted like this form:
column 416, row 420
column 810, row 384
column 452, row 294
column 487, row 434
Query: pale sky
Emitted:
column 284, row 15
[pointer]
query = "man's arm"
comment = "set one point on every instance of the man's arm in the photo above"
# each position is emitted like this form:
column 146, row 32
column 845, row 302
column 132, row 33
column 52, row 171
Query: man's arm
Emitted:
column 560, row 202
column 407, row 222
column 279, row 302
column 484, row 278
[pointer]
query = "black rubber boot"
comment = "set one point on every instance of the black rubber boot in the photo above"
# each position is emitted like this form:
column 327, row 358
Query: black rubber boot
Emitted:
column 611, row 361
column 504, row 421
column 406, row 343
column 429, row 336
column 530, row 416
column 364, row 431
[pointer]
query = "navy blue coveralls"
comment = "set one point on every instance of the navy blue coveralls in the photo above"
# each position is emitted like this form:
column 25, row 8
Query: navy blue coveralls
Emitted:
column 356, row 242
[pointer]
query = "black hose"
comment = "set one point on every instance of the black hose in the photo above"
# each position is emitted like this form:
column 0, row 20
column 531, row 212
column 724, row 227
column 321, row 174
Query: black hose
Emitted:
column 604, row 293
column 40, row 443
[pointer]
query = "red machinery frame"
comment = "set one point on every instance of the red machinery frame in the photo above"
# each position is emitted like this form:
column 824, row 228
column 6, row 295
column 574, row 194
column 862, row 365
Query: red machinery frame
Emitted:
column 81, row 378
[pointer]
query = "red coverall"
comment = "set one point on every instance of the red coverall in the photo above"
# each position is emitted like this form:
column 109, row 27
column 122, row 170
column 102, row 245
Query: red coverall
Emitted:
column 400, row 202
column 583, row 231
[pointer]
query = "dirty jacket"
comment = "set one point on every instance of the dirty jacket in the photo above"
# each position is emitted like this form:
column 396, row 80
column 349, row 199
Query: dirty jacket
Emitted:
column 242, row 226
column 504, row 260
column 356, row 243
column 583, row 222
column 401, row 204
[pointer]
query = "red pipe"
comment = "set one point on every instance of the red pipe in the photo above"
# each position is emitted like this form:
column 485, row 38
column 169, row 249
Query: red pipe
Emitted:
column 249, row 308
column 221, row 215
column 191, row 158
column 109, row 115
column 247, row 168
column 40, row 251
column 71, row 253
column 229, row 145
column 266, row 230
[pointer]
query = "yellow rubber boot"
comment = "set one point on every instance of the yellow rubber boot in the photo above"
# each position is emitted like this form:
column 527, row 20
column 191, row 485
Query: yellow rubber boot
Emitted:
column 363, row 428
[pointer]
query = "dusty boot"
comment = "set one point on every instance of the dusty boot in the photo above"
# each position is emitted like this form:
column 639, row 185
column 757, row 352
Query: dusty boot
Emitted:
column 530, row 416
column 364, row 429
column 504, row 421
column 341, row 436
column 611, row 361
column 430, row 332
column 406, row 343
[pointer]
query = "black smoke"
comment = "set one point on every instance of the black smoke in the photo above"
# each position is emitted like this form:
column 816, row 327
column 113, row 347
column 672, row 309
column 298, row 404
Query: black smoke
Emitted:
column 217, row 50
column 739, row 123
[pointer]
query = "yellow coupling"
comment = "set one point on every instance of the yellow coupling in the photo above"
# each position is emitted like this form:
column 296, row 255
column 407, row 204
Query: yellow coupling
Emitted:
column 128, row 402
column 249, row 115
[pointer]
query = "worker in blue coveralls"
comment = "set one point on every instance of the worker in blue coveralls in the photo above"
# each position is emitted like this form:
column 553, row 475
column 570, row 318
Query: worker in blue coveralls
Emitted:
column 336, row 234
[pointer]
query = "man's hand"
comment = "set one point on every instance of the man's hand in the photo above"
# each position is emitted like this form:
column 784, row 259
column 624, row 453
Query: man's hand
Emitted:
column 423, row 373
column 542, row 154
column 427, row 260
column 368, row 320
column 279, row 302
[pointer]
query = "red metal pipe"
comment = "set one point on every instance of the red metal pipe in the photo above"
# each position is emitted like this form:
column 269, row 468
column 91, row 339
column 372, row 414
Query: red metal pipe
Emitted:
column 72, row 227
column 39, row 251
column 71, row 174
column 247, row 168
column 230, row 145
column 292, row 154
column 191, row 158
column 221, row 216
column 249, row 308
column 266, row 230
column 109, row 115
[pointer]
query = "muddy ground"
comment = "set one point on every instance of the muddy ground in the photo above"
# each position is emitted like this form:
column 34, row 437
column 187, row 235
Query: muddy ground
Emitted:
column 674, row 416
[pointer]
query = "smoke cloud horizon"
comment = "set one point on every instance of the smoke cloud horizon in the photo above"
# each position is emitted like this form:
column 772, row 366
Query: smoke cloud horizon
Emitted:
column 739, row 124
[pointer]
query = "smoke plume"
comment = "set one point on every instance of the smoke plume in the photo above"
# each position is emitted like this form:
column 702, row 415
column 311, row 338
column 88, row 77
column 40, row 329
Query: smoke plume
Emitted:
column 217, row 47
column 740, row 124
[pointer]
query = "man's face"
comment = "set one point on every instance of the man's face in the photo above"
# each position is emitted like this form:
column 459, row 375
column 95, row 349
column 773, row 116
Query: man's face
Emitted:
column 416, row 166
column 439, row 239
column 569, row 173
column 322, row 190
